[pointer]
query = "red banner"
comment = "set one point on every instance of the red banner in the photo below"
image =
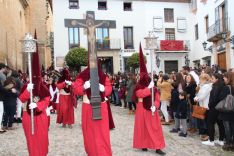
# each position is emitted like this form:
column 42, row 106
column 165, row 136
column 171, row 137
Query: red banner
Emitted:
column 171, row 45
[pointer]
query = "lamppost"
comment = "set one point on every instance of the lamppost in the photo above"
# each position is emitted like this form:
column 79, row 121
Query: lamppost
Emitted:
column 204, row 44
column 151, row 44
column 187, row 61
column 158, row 61
column 29, row 47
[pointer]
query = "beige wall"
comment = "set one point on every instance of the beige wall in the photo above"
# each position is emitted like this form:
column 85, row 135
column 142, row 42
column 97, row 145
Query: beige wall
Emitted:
column 15, row 21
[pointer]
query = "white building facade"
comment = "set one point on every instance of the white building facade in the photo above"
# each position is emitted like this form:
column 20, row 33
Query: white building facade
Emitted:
column 180, row 25
column 134, row 19
column 213, row 19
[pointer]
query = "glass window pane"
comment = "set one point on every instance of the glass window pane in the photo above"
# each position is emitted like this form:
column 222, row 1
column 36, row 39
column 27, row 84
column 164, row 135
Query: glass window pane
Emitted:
column 99, row 33
column 76, row 35
column 71, row 40
column 105, row 33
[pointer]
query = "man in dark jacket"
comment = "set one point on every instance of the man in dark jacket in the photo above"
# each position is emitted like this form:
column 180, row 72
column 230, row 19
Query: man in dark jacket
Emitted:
column 2, row 79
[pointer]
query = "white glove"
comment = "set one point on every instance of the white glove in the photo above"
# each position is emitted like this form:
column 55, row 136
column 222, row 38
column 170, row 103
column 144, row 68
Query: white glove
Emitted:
column 101, row 87
column 151, row 85
column 87, row 85
column 153, row 108
column 32, row 105
column 30, row 86
column 68, row 82
column 196, row 98
column 48, row 110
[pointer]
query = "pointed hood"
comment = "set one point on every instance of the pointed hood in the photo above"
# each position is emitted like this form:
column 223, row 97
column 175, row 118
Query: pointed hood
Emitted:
column 39, row 89
column 65, row 76
column 144, row 77
column 142, row 65
column 143, row 82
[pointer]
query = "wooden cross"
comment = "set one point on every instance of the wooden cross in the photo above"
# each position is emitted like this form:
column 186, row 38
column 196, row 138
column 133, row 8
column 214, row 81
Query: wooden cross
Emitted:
column 91, row 24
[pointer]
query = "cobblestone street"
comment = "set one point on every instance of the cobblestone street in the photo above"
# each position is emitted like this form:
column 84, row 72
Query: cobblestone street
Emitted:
column 69, row 142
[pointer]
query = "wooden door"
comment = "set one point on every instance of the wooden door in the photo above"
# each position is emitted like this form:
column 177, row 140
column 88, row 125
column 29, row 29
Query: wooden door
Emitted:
column 222, row 60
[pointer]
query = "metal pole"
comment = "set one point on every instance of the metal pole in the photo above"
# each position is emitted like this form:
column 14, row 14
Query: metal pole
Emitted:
column 31, row 93
column 152, row 78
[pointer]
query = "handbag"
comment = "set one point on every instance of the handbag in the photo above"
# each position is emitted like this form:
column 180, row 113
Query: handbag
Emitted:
column 199, row 112
column 227, row 104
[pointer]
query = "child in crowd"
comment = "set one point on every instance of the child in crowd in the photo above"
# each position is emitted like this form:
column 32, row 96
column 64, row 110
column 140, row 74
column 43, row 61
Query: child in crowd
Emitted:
column 181, row 114
column 122, row 91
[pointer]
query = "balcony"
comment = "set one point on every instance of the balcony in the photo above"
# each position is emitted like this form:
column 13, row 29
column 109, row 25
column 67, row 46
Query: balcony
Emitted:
column 215, row 31
column 108, row 44
column 174, row 45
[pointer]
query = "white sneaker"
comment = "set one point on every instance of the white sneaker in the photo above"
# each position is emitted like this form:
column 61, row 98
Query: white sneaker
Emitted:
column 209, row 143
column 218, row 142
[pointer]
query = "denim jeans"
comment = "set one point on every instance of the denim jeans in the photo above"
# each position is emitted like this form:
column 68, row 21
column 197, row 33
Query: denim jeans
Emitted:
column 117, row 102
column 229, row 131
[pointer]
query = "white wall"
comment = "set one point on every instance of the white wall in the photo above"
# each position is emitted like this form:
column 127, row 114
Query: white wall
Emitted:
column 199, row 17
column 141, row 18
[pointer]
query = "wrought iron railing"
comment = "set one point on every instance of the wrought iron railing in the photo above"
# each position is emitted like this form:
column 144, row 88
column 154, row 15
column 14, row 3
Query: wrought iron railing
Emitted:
column 108, row 44
column 220, row 26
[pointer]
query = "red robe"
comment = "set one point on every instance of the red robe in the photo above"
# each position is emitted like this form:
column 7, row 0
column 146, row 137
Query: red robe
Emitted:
column 147, row 129
column 37, row 143
column 65, row 107
column 96, row 133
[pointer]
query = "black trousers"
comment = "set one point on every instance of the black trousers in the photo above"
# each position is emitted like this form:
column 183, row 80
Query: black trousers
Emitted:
column 212, row 120
column 229, row 131
column 130, row 104
column 9, row 112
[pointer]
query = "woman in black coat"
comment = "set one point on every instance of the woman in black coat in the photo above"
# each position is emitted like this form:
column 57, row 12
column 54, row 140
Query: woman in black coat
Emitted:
column 9, row 101
column 190, row 89
column 213, row 114
column 228, row 117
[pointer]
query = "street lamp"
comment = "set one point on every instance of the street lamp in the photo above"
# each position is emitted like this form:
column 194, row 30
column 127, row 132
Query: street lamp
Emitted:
column 187, row 61
column 151, row 44
column 204, row 44
column 29, row 47
column 157, row 61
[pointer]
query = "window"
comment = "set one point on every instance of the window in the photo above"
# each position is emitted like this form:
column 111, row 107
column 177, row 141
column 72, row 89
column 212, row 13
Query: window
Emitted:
column 181, row 24
column 169, row 34
column 74, row 37
column 196, row 32
column 169, row 15
column 102, row 5
column 128, row 38
column 207, row 23
column 158, row 24
column 73, row 4
column 127, row 6
column 102, row 36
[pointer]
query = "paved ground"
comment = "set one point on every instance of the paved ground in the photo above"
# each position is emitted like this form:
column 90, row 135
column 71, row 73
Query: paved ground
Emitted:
column 69, row 142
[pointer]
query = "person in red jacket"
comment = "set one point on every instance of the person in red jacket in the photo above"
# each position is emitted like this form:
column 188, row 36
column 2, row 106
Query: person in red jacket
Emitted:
column 65, row 107
column 96, row 133
column 147, row 129
column 38, row 142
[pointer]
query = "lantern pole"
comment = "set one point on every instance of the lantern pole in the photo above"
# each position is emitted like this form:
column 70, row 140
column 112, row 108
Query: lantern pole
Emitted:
column 29, row 47
column 151, row 44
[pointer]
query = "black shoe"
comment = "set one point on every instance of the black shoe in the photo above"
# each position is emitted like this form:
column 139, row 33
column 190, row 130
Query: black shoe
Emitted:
column 144, row 149
column 160, row 152
column 19, row 120
column 174, row 130
column 182, row 134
